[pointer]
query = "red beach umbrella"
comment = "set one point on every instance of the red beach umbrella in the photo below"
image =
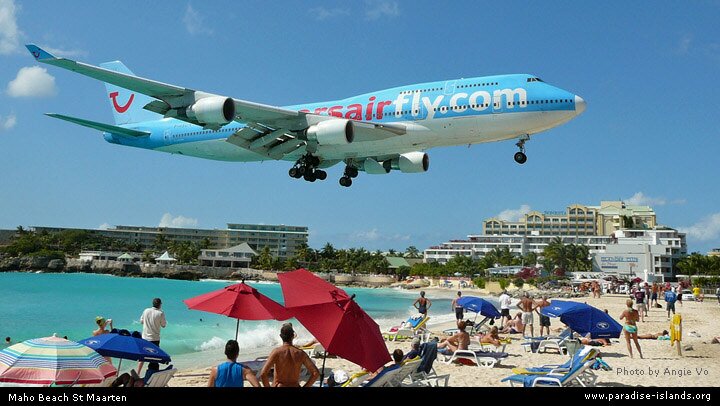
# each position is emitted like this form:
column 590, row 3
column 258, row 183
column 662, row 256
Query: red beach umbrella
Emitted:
column 241, row 302
column 333, row 317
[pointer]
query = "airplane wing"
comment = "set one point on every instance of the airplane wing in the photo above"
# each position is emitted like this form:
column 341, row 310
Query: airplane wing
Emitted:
column 271, row 131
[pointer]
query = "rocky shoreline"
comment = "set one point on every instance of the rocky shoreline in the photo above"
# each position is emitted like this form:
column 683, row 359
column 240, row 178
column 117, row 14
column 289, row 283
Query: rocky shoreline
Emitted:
column 180, row 272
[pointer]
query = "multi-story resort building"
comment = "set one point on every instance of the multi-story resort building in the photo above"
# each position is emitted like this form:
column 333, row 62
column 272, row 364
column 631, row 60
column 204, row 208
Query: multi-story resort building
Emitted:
column 283, row 241
column 622, row 239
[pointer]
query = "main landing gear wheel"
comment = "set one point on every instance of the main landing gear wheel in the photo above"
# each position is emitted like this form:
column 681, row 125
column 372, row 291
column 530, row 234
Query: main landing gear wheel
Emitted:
column 320, row 174
column 306, row 168
column 345, row 181
column 520, row 157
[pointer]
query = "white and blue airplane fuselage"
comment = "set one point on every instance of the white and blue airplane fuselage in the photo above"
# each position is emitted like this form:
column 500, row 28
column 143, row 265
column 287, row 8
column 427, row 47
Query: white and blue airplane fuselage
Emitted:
column 373, row 132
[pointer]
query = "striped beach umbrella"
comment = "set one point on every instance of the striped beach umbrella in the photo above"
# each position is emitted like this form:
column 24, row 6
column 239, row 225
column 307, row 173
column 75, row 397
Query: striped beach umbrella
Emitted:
column 53, row 360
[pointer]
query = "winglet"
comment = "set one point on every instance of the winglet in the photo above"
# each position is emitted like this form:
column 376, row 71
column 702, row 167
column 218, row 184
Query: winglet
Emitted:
column 39, row 53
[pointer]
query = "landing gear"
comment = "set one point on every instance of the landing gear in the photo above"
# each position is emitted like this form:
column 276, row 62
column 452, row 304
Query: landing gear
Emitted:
column 520, row 157
column 350, row 173
column 345, row 181
column 306, row 168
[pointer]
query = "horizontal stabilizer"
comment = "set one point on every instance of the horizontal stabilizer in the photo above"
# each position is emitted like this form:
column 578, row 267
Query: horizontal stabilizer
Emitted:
column 100, row 126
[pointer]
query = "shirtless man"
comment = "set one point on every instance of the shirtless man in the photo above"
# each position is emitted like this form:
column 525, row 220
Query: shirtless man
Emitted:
column 514, row 325
column 287, row 361
column 527, row 305
column 544, row 320
column 459, row 341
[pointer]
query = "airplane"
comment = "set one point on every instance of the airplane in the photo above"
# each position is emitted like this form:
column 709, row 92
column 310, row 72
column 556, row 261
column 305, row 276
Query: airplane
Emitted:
column 377, row 132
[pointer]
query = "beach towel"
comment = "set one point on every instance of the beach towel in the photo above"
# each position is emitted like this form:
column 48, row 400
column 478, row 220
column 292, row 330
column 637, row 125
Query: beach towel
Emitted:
column 675, row 329
column 428, row 354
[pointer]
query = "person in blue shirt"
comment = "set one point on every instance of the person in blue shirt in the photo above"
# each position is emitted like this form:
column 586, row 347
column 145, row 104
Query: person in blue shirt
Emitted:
column 231, row 374
column 670, row 298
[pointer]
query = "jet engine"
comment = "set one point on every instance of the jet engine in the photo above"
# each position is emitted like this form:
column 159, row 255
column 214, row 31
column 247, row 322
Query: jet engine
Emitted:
column 411, row 162
column 332, row 132
column 373, row 167
column 215, row 110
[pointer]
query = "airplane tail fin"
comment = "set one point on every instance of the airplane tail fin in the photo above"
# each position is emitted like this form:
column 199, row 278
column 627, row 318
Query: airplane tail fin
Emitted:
column 127, row 106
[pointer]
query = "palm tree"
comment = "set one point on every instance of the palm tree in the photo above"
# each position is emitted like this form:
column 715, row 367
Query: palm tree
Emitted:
column 412, row 252
column 556, row 254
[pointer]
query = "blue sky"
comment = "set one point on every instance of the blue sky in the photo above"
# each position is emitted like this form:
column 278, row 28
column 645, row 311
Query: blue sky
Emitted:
column 649, row 73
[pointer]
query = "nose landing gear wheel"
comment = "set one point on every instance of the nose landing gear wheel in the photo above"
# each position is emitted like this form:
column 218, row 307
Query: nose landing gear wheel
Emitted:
column 520, row 157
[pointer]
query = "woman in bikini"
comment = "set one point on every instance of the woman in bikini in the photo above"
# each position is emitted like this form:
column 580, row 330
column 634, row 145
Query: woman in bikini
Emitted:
column 631, row 317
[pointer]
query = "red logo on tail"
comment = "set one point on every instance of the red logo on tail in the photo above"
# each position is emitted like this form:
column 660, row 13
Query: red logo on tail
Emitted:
column 119, row 108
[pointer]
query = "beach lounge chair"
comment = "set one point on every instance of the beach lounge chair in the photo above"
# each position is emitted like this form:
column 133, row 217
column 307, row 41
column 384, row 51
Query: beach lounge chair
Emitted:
column 391, row 376
column 485, row 359
column 161, row 379
column 314, row 351
column 414, row 326
column 580, row 374
column 583, row 354
column 550, row 342
column 424, row 374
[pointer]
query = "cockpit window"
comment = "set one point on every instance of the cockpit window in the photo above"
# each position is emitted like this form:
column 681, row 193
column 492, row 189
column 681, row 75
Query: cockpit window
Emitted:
column 534, row 80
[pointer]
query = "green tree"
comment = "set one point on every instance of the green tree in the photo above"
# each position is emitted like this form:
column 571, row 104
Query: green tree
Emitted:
column 412, row 252
column 265, row 260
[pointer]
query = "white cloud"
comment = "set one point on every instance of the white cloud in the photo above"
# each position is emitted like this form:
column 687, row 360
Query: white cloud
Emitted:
column 32, row 81
column 104, row 226
column 375, row 235
column 8, row 122
column 168, row 220
column 9, row 32
column 195, row 22
column 323, row 13
column 514, row 214
column 684, row 44
column 376, row 9
column 704, row 230
column 641, row 199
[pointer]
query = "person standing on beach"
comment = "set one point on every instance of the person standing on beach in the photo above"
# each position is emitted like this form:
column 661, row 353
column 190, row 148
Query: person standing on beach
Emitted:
column 544, row 320
column 422, row 304
column 152, row 320
column 670, row 298
column 631, row 317
column 640, row 301
column 527, row 305
column 287, row 361
column 505, row 301
column 458, row 309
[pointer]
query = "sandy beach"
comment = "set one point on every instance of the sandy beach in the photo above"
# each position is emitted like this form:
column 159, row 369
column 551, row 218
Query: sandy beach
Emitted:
column 660, row 367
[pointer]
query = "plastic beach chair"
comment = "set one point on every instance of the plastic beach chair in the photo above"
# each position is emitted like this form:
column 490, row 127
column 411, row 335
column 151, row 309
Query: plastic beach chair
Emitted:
column 478, row 358
column 161, row 379
column 580, row 374
column 415, row 326
column 583, row 354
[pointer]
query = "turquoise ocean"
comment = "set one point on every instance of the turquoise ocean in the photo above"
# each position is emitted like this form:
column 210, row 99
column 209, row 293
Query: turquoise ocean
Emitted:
column 38, row 305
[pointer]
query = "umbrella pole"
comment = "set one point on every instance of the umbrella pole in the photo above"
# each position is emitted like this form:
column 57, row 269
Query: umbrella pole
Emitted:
column 322, row 371
column 237, row 329
column 119, row 364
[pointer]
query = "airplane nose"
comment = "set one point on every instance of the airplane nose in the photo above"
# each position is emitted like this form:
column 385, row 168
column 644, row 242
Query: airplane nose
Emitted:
column 579, row 104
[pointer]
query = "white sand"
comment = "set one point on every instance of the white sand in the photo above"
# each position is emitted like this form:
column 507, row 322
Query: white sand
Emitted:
column 661, row 365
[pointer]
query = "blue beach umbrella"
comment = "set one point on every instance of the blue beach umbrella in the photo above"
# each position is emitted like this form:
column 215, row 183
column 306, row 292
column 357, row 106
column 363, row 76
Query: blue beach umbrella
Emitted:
column 479, row 305
column 123, row 345
column 584, row 318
